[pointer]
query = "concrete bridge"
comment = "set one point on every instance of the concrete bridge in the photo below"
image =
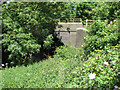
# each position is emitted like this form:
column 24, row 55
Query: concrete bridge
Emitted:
column 71, row 32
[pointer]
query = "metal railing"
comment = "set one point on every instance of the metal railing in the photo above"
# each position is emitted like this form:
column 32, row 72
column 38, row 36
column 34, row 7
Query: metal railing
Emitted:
column 71, row 20
column 89, row 22
column 78, row 20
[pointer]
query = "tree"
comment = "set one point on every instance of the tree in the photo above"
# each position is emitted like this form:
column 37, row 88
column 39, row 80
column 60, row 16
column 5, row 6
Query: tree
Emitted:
column 27, row 27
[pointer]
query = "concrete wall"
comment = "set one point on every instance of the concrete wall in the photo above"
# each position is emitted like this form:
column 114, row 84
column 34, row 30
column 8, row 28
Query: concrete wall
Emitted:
column 80, row 34
column 73, row 35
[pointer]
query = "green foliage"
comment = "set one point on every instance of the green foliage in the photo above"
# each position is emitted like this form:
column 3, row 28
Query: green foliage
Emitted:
column 108, row 10
column 105, row 64
column 91, row 11
column 48, row 42
column 84, row 10
column 27, row 27
column 52, row 73
column 67, row 70
column 68, row 67
column 99, row 36
column 103, row 58
column 67, row 52
column 21, row 46
column 68, row 11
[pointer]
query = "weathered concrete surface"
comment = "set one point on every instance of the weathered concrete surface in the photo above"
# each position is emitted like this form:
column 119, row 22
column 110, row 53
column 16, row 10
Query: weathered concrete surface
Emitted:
column 73, row 38
column 80, row 34
column 72, row 26
column 73, row 35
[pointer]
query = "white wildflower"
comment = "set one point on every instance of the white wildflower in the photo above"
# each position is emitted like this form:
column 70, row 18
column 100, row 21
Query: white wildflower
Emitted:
column 96, row 57
column 92, row 76
column 105, row 63
column 113, row 61
column 3, row 65
column 8, row 2
column 6, row 64
column 115, row 86
column 105, row 46
column 114, row 21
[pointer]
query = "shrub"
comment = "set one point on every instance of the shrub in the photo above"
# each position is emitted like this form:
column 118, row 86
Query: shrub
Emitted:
column 48, row 41
column 68, row 52
column 99, row 36
column 21, row 46
column 27, row 27
column 101, row 69
column 103, row 66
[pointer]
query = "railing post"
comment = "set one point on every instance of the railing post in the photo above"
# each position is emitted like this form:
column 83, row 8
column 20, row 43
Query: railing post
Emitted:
column 73, row 19
column 59, row 20
column 81, row 20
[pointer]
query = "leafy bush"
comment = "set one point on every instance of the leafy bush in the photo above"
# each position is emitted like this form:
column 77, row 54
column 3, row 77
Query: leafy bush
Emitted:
column 99, row 36
column 21, row 46
column 27, row 27
column 68, row 52
column 103, row 65
column 101, row 69
column 48, row 42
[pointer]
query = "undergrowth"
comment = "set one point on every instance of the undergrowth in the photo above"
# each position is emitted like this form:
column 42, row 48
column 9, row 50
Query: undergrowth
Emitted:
column 69, row 67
